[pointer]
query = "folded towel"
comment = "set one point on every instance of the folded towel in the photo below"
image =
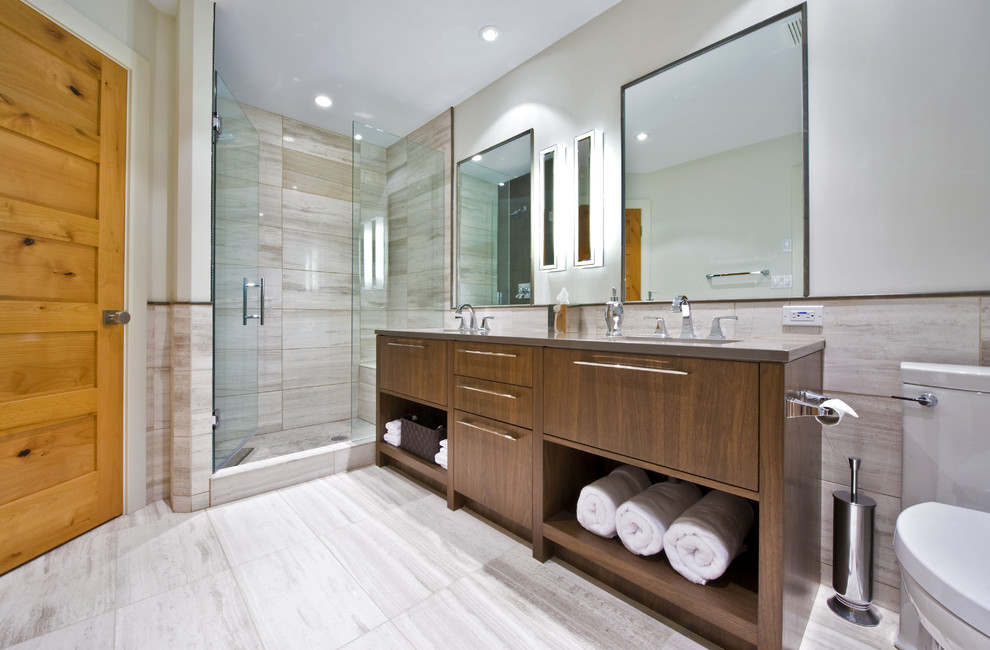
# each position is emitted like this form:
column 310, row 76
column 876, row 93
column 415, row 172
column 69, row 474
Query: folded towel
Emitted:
column 441, row 458
column 702, row 542
column 597, row 502
column 642, row 520
column 393, row 439
column 443, row 443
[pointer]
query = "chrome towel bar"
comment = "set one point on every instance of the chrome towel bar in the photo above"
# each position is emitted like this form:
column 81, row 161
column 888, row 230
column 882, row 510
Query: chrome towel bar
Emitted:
column 727, row 275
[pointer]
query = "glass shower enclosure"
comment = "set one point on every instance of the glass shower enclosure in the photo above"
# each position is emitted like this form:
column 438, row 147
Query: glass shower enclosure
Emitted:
column 238, row 291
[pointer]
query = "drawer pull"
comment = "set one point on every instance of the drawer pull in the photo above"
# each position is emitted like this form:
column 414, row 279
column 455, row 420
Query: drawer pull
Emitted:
column 407, row 345
column 501, row 434
column 488, row 392
column 621, row 366
column 490, row 354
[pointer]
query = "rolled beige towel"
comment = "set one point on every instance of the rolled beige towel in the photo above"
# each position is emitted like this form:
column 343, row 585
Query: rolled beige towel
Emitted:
column 642, row 520
column 598, row 501
column 702, row 542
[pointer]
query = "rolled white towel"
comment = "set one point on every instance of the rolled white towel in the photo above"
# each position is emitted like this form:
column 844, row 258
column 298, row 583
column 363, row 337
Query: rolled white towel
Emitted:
column 443, row 443
column 702, row 542
column 441, row 458
column 598, row 501
column 642, row 520
column 393, row 439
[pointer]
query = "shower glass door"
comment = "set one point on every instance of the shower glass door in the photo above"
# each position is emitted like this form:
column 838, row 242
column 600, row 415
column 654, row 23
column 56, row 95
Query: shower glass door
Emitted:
column 238, row 291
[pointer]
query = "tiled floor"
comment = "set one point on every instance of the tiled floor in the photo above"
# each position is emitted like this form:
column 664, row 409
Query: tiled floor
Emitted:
column 366, row 559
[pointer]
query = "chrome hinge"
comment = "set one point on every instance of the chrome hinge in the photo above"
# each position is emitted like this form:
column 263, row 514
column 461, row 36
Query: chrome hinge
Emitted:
column 216, row 419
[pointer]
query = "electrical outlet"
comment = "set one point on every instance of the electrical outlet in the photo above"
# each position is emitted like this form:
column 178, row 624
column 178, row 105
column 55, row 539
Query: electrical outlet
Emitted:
column 804, row 315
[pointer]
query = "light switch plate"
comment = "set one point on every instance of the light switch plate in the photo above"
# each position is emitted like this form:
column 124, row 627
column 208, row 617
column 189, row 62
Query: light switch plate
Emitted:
column 804, row 315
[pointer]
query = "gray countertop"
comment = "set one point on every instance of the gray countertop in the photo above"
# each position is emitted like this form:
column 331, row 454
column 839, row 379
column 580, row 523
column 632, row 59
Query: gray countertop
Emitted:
column 782, row 348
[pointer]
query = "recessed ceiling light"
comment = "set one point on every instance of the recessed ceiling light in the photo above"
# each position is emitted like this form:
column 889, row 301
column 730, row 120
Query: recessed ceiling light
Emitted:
column 323, row 101
column 476, row 158
column 642, row 136
column 489, row 33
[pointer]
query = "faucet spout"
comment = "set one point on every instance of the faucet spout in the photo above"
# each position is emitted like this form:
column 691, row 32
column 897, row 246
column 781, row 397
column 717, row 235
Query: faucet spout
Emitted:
column 472, row 325
column 682, row 306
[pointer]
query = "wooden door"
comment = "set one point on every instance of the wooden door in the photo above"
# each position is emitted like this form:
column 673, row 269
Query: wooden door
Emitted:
column 634, row 246
column 62, row 163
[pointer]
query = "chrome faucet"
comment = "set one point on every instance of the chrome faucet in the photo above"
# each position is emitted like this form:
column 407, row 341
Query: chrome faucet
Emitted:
column 613, row 315
column 472, row 325
column 683, row 307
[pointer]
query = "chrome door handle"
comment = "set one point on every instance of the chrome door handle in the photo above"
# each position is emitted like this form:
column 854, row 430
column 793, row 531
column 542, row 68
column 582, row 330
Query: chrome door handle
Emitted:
column 111, row 317
column 261, row 301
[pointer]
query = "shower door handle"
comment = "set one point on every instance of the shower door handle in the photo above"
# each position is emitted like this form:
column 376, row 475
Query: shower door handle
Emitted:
column 261, row 301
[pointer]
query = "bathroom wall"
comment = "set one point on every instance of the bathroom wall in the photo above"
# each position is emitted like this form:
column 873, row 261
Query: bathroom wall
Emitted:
column 897, row 129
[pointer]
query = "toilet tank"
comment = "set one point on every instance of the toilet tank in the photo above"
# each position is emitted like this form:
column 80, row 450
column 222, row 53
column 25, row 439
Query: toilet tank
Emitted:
column 946, row 452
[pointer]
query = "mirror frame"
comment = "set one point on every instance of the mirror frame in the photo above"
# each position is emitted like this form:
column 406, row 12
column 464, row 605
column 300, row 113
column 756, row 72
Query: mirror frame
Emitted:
column 456, row 225
column 543, row 192
column 800, row 9
column 596, row 207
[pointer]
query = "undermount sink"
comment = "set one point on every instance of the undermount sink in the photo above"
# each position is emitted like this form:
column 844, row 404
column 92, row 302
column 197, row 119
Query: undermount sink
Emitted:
column 673, row 340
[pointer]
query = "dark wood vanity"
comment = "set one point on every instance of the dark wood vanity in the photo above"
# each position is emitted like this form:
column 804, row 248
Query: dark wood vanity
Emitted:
column 533, row 418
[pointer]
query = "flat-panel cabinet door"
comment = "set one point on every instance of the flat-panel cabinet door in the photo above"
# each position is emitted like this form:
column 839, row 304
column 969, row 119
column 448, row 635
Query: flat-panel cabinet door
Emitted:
column 694, row 415
column 493, row 465
column 414, row 367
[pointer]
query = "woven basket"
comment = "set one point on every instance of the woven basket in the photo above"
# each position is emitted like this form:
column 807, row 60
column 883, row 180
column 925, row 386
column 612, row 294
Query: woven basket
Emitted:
column 421, row 440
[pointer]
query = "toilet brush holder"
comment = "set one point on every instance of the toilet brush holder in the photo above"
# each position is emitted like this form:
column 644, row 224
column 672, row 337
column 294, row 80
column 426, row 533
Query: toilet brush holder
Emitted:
column 853, row 517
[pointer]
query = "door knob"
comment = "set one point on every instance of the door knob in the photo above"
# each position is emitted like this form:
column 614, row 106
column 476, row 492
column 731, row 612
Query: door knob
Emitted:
column 111, row 317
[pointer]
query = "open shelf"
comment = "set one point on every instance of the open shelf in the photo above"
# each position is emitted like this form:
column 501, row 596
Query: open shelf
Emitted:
column 726, row 602
column 414, row 463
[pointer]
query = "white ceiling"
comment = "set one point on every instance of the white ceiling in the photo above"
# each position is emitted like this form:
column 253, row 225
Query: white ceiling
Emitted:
column 394, row 64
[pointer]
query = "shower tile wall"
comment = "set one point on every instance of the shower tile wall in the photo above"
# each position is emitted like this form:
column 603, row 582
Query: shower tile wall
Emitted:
column 392, row 183
column 305, row 258
column 159, row 403
column 865, row 341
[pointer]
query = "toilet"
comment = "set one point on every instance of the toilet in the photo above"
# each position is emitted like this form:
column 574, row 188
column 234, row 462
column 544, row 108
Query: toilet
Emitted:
column 942, row 536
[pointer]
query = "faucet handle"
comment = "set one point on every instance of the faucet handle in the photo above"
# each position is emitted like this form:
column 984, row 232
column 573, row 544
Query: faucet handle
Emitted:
column 463, row 326
column 661, row 330
column 716, row 332
column 485, row 327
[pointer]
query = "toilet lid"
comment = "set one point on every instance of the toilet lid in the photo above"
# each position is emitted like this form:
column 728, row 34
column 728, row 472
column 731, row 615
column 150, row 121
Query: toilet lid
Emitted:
column 947, row 550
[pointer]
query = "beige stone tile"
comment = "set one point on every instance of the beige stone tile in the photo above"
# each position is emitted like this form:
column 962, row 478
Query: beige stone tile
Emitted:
column 313, row 140
column 256, row 478
column 330, row 253
column 315, row 290
column 269, row 411
column 270, row 205
column 354, row 456
column 315, row 328
column 158, row 465
column 315, row 175
column 194, row 503
column 307, row 406
column 875, row 437
column 758, row 319
column 305, row 368
column 192, row 400
column 193, row 464
column 159, row 336
column 268, row 125
column 315, row 214
column 865, row 340
column 192, row 337
column 270, row 369
column 270, row 164
column 159, row 398
column 269, row 249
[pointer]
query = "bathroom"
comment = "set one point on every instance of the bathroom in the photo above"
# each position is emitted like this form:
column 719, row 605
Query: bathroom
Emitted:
column 895, row 244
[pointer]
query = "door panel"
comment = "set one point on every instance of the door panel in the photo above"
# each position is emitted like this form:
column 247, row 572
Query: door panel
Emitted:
column 62, row 188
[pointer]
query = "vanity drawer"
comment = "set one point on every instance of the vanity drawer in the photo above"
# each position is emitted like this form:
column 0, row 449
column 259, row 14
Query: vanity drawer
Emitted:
column 698, row 416
column 413, row 367
column 493, row 466
column 504, row 402
column 512, row 364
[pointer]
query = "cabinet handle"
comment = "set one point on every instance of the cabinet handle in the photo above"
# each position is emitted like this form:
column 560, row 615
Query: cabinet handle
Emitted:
column 407, row 345
column 501, row 434
column 490, row 354
column 621, row 366
column 488, row 392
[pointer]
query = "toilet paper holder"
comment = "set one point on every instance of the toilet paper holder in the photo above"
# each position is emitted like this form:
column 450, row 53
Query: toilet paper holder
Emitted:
column 806, row 403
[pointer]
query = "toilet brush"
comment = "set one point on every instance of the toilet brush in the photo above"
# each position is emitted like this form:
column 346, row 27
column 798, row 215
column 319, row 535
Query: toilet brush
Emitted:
column 852, row 553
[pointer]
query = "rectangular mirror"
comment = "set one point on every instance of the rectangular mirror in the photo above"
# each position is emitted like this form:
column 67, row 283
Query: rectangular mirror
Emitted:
column 714, row 151
column 494, row 226
column 588, row 187
column 549, row 163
